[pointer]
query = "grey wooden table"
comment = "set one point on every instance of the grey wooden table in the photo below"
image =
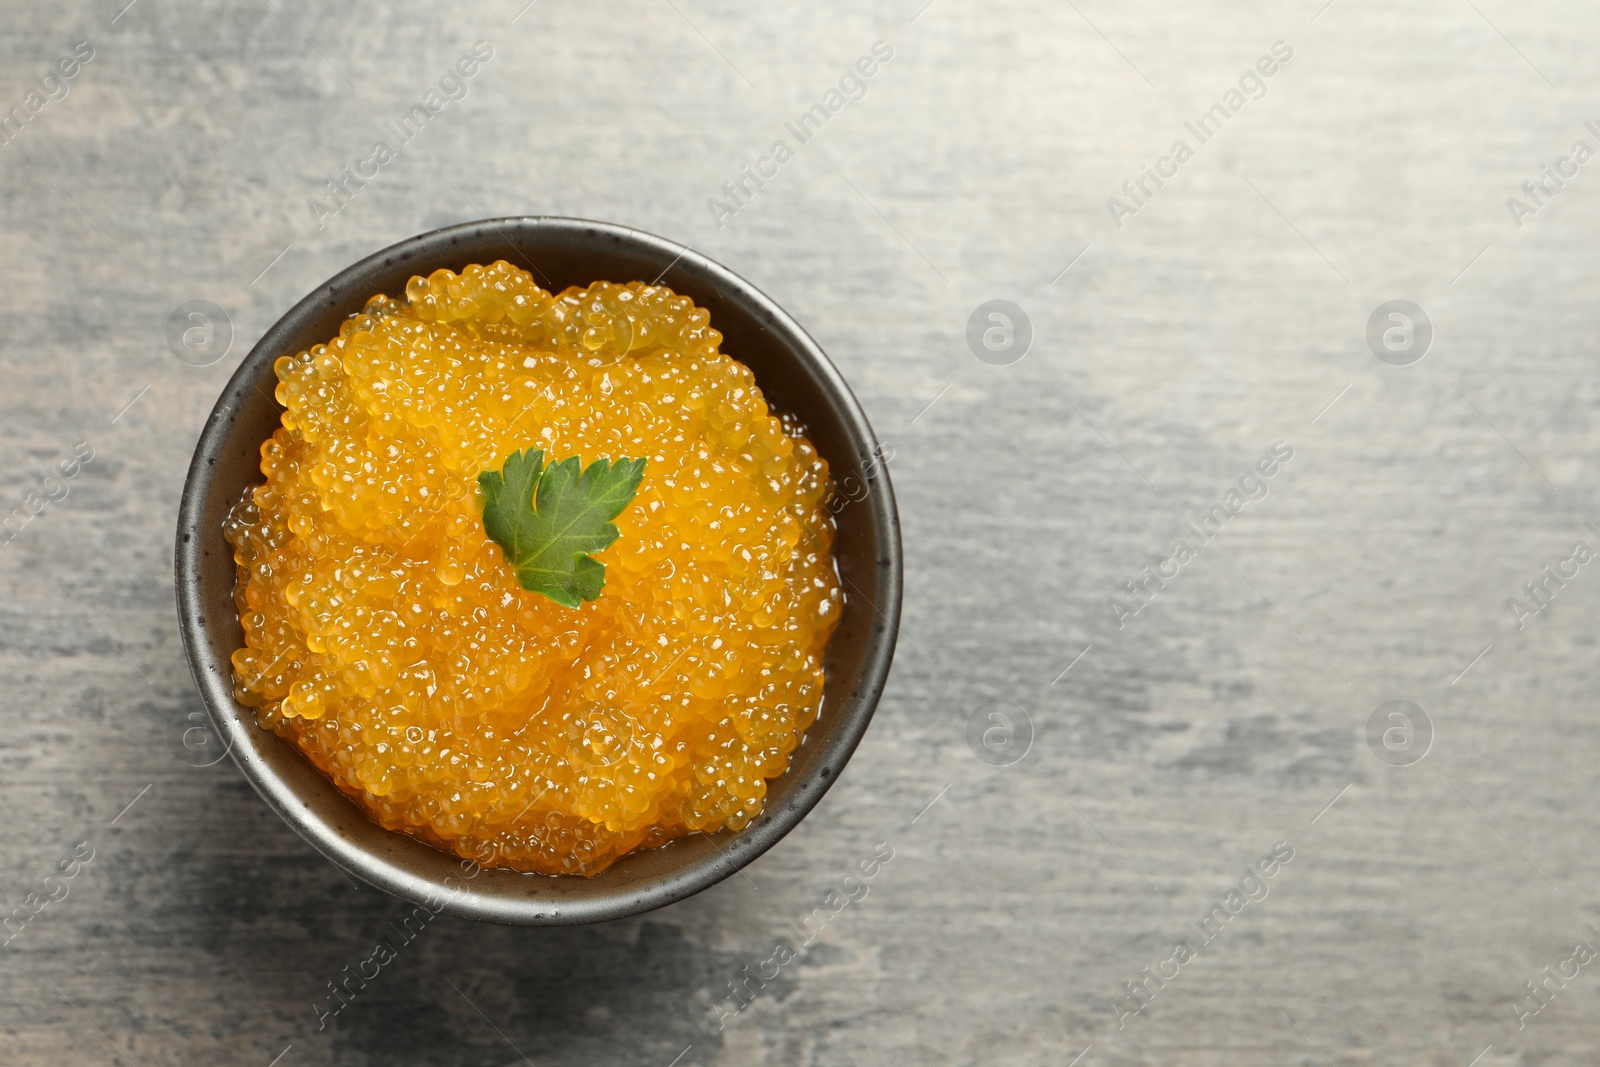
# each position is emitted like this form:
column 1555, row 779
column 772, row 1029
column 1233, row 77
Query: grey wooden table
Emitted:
column 1201, row 216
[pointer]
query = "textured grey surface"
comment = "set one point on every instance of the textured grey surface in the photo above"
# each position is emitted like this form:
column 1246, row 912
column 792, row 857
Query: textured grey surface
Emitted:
column 1224, row 316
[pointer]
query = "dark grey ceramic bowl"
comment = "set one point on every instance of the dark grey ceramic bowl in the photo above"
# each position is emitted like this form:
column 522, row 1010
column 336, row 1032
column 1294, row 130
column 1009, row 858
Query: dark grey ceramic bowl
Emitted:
column 794, row 374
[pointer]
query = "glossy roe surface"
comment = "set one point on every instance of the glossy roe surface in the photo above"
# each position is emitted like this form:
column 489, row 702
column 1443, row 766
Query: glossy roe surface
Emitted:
column 389, row 641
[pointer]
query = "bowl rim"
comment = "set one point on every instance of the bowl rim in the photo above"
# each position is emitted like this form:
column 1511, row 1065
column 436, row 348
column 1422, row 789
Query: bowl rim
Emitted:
column 234, row 723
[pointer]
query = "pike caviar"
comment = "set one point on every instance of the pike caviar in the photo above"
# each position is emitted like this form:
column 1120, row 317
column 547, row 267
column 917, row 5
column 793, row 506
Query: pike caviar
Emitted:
column 388, row 639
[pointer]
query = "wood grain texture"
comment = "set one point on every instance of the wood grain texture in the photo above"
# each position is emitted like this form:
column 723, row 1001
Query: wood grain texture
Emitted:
column 1228, row 313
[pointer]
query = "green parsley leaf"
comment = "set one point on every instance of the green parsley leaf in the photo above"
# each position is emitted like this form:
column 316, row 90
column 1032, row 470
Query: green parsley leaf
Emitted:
column 548, row 542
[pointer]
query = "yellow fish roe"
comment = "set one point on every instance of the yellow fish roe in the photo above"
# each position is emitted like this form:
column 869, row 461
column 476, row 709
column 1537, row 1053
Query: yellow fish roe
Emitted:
column 388, row 639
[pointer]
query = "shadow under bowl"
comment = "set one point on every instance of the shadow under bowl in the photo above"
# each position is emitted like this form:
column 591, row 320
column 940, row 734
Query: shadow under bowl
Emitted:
column 795, row 376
